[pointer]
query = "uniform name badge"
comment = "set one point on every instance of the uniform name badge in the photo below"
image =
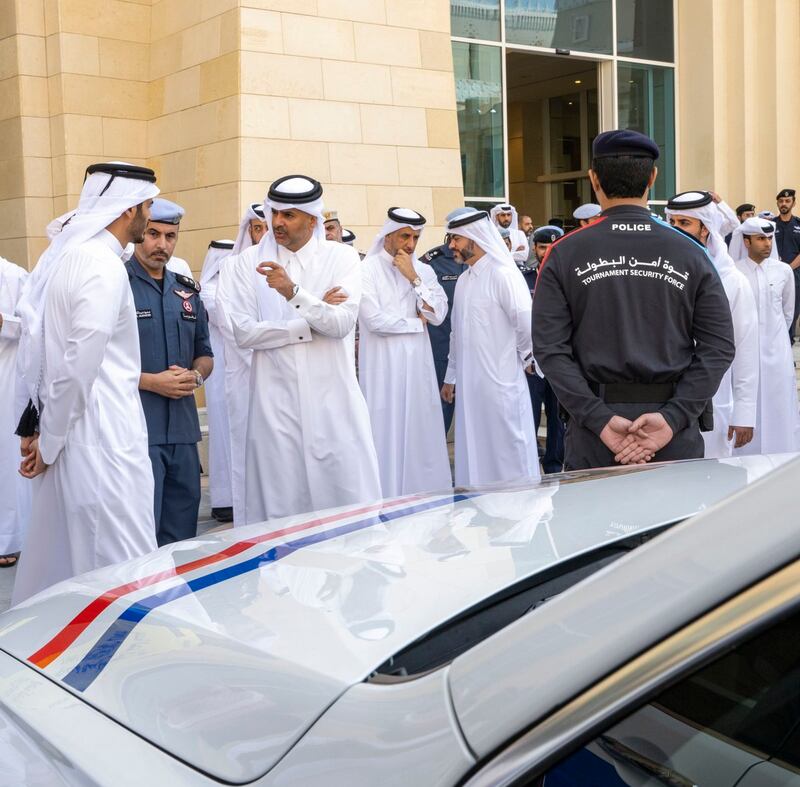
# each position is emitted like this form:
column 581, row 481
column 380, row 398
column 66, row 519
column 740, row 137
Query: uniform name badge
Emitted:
column 143, row 314
column 188, row 311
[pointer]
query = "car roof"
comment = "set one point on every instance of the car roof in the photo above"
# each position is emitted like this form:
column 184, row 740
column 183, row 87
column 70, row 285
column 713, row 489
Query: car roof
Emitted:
column 541, row 661
column 224, row 649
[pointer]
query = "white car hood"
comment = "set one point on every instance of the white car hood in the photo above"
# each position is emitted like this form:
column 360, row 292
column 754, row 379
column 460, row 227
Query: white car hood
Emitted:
column 223, row 650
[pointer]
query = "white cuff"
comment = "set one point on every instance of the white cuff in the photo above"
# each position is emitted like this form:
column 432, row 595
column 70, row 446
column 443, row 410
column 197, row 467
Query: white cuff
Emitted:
column 450, row 375
column 299, row 331
column 12, row 327
column 50, row 446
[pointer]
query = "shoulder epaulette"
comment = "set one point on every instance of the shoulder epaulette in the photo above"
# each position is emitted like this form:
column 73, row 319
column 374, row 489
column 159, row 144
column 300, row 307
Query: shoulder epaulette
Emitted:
column 187, row 282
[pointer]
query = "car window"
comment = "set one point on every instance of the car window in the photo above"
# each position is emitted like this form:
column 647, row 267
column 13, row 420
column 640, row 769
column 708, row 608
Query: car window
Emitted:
column 736, row 717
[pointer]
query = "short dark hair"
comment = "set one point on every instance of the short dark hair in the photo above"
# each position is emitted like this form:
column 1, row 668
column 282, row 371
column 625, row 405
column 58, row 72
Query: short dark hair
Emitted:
column 623, row 177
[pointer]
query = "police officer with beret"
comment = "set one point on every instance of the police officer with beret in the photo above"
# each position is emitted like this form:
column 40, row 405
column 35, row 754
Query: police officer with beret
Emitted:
column 447, row 270
column 787, row 241
column 176, row 358
column 631, row 325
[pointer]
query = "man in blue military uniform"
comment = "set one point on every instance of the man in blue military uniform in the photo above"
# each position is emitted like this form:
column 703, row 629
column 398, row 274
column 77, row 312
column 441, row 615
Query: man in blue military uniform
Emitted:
column 787, row 241
column 176, row 359
column 447, row 271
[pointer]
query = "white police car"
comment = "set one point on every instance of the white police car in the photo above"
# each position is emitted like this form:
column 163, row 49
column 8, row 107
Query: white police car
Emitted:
column 507, row 636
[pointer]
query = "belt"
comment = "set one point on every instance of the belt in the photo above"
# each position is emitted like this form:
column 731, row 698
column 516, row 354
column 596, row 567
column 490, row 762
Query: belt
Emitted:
column 633, row 393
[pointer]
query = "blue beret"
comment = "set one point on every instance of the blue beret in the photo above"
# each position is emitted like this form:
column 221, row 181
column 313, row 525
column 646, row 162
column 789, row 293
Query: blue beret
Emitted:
column 624, row 142
column 166, row 212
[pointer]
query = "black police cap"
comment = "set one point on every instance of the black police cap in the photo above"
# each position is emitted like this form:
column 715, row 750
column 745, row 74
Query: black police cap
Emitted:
column 689, row 199
column 545, row 235
column 785, row 193
column 744, row 208
column 624, row 142
column 294, row 196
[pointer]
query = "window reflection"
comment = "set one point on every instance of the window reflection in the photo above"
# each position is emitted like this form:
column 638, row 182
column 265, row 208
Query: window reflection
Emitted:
column 479, row 97
column 645, row 29
column 579, row 25
column 475, row 19
column 646, row 103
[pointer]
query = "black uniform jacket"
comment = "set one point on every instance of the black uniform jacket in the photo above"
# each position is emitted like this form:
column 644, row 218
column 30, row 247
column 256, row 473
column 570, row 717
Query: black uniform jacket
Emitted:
column 629, row 299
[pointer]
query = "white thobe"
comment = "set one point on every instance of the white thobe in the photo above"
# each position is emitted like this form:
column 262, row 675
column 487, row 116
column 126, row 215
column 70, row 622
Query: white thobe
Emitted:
column 736, row 398
column 309, row 444
column 777, row 422
column 93, row 505
column 237, row 379
column 519, row 238
column 219, row 434
column 490, row 346
column 14, row 489
column 398, row 377
column 179, row 266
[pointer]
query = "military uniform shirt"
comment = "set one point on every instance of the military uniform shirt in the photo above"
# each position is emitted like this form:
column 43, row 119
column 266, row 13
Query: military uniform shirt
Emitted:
column 447, row 271
column 173, row 331
column 787, row 238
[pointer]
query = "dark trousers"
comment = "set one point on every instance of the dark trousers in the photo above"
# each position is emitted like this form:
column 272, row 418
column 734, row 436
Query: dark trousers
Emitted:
column 176, row 473
column 796, row 304
column 543, row 394
column 447, row 408
column 584, row 449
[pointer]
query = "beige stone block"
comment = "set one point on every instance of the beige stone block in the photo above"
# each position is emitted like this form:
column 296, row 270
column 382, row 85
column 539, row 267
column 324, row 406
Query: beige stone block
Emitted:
column 29, row 17
column 15, row 249
column 124, row 139
column 74, row 54
column 12, row 218
column 33, row 96
column 55, row 95
column 312, row 36
column 52, row 23
column 181, row 90
column 394, row 46
column 387, row 125
column 38, row 177
column 326, row 121
column 281, row 75
column 168, row 17
column 12, row 178
column 38, row 214
column 109, row 19
column 445, row 200
column 372, row 11
column 265, row 116
column 35, row 136
column 350, row 201
column 58, row 165
column 11, row 134
column 442, row 128
column 36, row 247
column 368, row 164
column 177, row 171
column 214, row 206
column 165, row 56
column 8, row 57
column 421, row 87
column 230, row 36
column 209, row 8
column 32, row 55
column 381, row 198
column 201, row 125
column 437, row 51
column 430, row 166
column 261, row 31
column 368, row 84
column 219, row 78
column 290, row 6
column 156, row 98
column 124, row 60
column 218, row 163
column 9, row 98
column 201, row 42
column 103, row 96
column 264, row 160
column 8, row 19
column 419, row 14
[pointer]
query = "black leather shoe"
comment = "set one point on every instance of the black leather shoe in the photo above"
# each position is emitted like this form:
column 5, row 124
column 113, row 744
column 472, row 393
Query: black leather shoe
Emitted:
column 222, row 514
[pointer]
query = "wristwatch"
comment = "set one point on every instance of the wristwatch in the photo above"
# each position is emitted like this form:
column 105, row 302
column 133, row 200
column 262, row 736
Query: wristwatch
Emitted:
column 295, row 290
column 416, row 283
column 198, row 378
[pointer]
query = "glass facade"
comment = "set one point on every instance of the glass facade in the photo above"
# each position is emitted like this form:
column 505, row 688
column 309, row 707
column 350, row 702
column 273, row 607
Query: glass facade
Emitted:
column 560, row 123
column 579, row 25
column 479, row 98
column 646, row 102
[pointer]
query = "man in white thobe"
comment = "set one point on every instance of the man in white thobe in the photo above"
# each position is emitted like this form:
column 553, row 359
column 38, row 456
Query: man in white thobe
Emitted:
column 395, row 363
column 505, row 217
column 14, row 490
column 772, row 283
column 93, row 489
column 490, row 353
column 698, row 214
column 237, row 359
column 293, row 300
column 219, row 435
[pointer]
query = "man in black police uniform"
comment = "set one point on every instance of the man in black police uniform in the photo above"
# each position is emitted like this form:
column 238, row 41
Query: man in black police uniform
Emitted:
column 631, row 325
column 787, row 241
column 743, row 212
column 176, row 359
column 447, row 271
